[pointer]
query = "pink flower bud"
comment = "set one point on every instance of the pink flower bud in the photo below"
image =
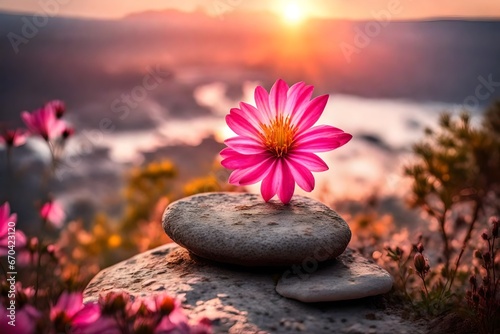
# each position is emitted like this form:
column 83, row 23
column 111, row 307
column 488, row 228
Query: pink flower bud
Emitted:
column 58, row 107
column 496, row 225
column 420, row 247
column 419, row 263
column 473, row 282
column 487, row 257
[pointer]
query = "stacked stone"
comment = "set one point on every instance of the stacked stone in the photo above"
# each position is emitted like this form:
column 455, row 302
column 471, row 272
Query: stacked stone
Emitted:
column 244, row 263
column 305, row 240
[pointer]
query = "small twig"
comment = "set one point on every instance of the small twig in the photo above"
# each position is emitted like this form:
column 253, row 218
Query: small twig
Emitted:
column 3, row 270
column 464, row 245
column 493, row 256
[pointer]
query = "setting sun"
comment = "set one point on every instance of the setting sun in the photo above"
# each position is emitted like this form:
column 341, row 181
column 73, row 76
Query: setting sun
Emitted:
column 293, row 13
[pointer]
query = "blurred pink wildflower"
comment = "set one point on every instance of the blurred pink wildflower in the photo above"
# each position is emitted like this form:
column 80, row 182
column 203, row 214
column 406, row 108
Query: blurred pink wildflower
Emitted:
column 70, row 311
column 68, row 132
column 13, row 138
column 53, row 213
column 7, row 224
column 159, row 314
column 277, row 141
column 44, row 122
column 26, row 315
column 58, row 107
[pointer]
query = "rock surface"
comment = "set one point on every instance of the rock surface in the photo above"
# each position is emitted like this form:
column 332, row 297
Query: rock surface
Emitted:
column 350, row 276
column 240, row 300
column 242, row 229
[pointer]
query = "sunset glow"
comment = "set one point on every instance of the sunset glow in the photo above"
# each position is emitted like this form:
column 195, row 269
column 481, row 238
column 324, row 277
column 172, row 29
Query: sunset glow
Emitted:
column 293, row 13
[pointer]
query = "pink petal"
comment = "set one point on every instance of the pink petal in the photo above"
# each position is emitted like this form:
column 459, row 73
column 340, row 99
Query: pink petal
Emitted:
column 21, row 239
column 53, row 213
column 240, row 125
column 104, row 324
column 20, row 138
column 310, row 160
column 44, row 123
column 72, row 303
column 44, row 212
column 203, row 326
column 4, row 211
column 236, row 176
column 298, row 98
column 270, row 183
column 26, row 321
column 256, row 174
column 312, row 113
column 320, row 139
column 176, row 322
column 287, row 184
column 58, row 107
column 69, row 303
column 301, row 175
column 88, row 314
column 277, row 97
column 56, row 128
column 28, row 120
column 252, row 114
column 252, row 174
column 13, row 138
column 245, row 145
column 227, row 152
column 318, row 132
column 5, row 218
column 279, row 180
column 242, row 161
column 262, row 101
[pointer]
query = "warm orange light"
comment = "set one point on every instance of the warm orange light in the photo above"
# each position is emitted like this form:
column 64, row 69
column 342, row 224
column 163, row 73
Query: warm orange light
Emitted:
column 293, row 13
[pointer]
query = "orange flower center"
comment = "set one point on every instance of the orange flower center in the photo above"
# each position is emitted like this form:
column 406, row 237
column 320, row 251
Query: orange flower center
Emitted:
column 278, row 135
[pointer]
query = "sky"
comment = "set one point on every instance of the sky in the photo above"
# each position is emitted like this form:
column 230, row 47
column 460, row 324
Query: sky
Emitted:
column 348, row 9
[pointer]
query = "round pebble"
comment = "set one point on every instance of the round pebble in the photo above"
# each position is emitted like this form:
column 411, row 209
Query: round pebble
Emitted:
column 242, row 229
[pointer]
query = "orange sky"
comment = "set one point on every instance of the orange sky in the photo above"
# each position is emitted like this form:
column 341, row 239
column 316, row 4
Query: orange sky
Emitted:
column 351, row 9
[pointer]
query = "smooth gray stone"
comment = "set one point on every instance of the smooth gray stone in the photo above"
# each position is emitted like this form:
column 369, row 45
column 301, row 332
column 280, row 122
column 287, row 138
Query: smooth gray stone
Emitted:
column 241, row 300
column 242, row 229
column 350, row 276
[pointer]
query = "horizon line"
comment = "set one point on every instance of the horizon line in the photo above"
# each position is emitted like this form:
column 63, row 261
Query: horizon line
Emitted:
column 252, row 12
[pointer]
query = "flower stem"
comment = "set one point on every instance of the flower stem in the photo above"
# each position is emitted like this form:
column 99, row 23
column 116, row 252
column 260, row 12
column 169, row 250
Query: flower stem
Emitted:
column 493, row 256
column 3, row 270
column 8, row 172
column 464, row 245
column 39, row 260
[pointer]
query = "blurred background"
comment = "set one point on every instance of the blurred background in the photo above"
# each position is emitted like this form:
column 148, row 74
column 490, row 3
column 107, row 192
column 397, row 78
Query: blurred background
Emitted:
column 147, row 85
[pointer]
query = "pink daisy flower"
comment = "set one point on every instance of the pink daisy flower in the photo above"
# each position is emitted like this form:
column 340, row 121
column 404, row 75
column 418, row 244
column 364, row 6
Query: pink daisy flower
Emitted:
column 44, row 122
column 13, row 138
column 277, row 140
